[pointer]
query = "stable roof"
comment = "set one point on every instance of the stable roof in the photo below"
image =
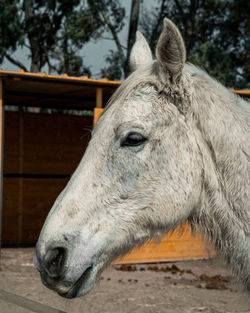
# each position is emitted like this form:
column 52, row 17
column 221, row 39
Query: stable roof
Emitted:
column 51, row 91
column 64, row 92
column 243, row 93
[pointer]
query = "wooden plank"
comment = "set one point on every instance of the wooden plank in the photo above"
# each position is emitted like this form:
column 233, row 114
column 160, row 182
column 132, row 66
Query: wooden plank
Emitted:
column 1, row 122
column 38, row 198
column 97, row 113
column 178, row 246
column 26, row 303
column 99, row 102
column 1, row 155
column 20, row 171
column 11, row 138
column 9, row 214
column 52, row 143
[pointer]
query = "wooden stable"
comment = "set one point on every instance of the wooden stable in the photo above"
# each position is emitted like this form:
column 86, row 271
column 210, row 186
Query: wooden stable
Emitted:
column 39, row 152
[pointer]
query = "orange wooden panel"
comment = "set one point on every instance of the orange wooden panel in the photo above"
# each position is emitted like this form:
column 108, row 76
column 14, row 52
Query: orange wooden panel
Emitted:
column 97, row 113
column 171, row 248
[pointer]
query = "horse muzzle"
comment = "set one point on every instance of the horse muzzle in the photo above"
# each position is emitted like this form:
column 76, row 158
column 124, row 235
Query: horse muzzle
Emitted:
column 56, row 275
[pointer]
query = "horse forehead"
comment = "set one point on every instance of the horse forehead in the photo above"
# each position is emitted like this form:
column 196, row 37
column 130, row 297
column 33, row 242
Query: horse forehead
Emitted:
column 139, row 104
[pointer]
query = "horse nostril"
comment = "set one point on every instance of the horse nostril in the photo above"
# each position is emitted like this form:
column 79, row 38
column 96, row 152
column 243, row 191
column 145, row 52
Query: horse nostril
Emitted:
column 54, row 262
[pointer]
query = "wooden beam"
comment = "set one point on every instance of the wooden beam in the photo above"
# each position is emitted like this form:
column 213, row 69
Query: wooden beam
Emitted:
column 30, row 305
column 97, row 113
column 99, row 97
column 98, row 109
column 1, row 152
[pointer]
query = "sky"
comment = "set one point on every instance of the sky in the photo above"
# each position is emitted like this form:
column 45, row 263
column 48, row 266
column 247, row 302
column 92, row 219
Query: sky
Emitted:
column 93, row 53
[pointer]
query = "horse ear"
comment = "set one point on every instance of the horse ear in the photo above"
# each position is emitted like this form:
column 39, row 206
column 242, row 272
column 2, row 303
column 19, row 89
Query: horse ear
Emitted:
column 140, row 53
column 170, row 50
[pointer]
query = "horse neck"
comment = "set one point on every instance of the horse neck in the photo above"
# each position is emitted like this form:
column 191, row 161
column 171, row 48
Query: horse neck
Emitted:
column 224, row 214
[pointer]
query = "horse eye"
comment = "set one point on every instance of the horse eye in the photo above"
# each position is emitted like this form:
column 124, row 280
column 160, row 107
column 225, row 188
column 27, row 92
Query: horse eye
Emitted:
column 132, row 139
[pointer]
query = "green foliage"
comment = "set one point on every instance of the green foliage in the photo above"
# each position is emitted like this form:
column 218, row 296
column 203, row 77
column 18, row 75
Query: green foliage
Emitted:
column 53, row 31
column 108, row 11
column 114, row 70
column 11, row 34
column 218, row 64
column 216, row 34
column 110, row 14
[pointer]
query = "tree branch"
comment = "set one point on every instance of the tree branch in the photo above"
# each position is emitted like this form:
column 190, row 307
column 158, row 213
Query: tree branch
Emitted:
column 158, row 23
column 50, row 66
column 27, row 46
column 15, row 62
column 114, row 34
column 240, row 74
column 107, row 38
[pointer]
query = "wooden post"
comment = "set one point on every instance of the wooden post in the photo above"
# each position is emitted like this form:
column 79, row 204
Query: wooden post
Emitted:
column 97, row 113
column 99, row 97
column 20, row 187
column 98, row 109
column 1, row 152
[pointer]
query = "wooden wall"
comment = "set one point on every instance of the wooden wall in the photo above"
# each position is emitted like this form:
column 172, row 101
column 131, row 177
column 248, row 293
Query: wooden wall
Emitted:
column 41, row 151
column 175, row 247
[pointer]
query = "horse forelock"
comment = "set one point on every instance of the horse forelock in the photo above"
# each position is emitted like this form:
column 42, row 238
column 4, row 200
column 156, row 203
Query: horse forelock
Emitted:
column 150, row 76
column 142, row 76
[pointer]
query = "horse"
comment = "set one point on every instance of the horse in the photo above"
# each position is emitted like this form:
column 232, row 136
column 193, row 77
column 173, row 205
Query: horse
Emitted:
column 172, row 145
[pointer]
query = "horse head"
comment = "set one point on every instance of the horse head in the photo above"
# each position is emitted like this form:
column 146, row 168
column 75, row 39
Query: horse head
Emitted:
column 142, row 173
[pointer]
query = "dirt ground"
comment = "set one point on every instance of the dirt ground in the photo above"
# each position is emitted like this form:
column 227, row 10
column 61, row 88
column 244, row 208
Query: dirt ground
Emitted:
column 180, row 287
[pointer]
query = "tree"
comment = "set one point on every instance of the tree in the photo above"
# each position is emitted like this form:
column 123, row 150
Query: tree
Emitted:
column 53, row 31
column 216, row 34
column 111, row 15
column 10, row 32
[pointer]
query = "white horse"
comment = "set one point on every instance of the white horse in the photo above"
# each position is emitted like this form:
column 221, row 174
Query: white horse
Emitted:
column 172, row 145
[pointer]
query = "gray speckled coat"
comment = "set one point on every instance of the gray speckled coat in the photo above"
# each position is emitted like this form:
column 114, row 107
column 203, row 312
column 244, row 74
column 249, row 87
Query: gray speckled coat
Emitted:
column 172, row 145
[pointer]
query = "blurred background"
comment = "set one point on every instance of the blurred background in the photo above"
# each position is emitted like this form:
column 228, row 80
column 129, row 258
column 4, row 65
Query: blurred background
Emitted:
column 94, row 37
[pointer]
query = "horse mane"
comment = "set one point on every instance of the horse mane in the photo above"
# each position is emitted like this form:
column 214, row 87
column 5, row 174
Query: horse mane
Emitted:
column 239, row 106
column 223, row 127
column 216, row 96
